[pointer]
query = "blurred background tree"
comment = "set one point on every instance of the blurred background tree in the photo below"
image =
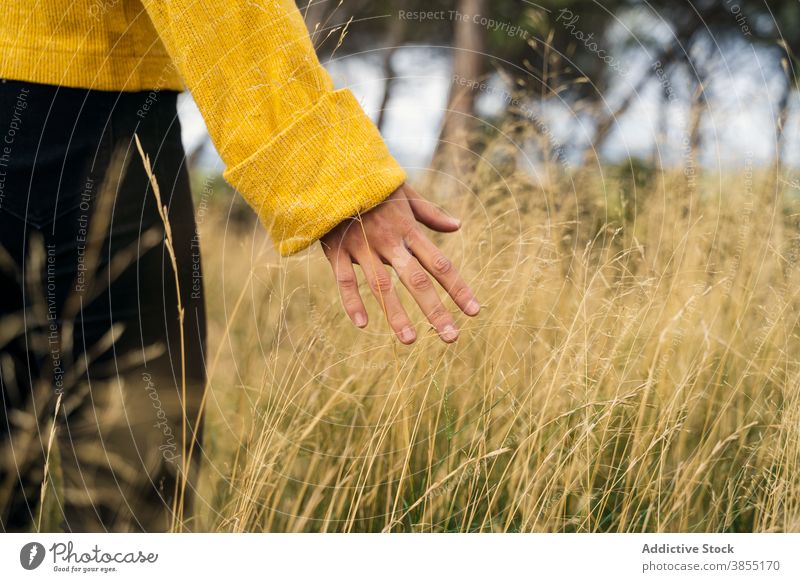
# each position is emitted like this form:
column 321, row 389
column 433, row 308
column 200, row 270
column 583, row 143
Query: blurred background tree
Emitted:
column 595, row 60
column 557, row 52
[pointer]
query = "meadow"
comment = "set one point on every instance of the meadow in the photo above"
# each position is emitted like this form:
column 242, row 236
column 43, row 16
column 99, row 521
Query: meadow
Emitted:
column 635, row 367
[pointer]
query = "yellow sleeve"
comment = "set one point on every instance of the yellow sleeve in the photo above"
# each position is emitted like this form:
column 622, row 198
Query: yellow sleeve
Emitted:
column 305, row 156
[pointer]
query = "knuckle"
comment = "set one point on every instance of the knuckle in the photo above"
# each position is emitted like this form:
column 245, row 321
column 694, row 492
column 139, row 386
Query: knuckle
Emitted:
column 352, row 305
column 382, row 234
column 414, row 233
column 351, row 302
column 346, row 281
column 397, row 320
column 381, row 282
column 354, row 237
column 442, row 265
column 419, row 281
column 461, row 293
column 407, row 226
column 439, row 314
column 358, row 243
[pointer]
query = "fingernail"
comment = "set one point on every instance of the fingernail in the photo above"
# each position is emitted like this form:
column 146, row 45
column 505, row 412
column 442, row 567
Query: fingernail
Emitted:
column 455, row 221
column 360, row 320
column 449, row 333
column 407, row 335
column 472, row 308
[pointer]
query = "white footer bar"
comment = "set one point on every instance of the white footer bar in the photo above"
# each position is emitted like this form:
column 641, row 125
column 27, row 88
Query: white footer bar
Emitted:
column 402, row 557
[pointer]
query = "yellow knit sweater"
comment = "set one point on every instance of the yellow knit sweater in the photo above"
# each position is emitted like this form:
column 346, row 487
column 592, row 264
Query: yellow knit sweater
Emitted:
column 305, row 156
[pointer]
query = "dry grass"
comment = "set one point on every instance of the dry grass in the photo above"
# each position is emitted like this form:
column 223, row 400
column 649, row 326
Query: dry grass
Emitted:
column 635, row 368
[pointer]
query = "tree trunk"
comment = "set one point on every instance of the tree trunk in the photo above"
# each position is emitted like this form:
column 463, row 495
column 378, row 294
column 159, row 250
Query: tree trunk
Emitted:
column 783, row 107
column 396, row 34
column 468, row 62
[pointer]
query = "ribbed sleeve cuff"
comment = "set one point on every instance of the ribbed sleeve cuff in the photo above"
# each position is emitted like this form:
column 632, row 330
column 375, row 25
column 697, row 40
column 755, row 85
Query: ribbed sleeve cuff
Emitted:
column 328, row 166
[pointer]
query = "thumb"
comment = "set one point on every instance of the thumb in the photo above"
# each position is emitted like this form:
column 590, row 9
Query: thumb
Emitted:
column 429, row 214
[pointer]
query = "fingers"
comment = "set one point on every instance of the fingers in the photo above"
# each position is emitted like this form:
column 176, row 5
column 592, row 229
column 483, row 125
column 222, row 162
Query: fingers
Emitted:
column 347, row 282
column 419, row 284
column 429, row 214
column 438, row 265
column 389, row 233
column 380, row 282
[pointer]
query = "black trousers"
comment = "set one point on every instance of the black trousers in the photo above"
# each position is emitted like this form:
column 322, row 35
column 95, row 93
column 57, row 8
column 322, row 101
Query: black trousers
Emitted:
column 101, row 378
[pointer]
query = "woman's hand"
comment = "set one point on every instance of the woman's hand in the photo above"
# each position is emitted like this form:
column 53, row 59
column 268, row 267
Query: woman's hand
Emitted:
column 390, row 234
